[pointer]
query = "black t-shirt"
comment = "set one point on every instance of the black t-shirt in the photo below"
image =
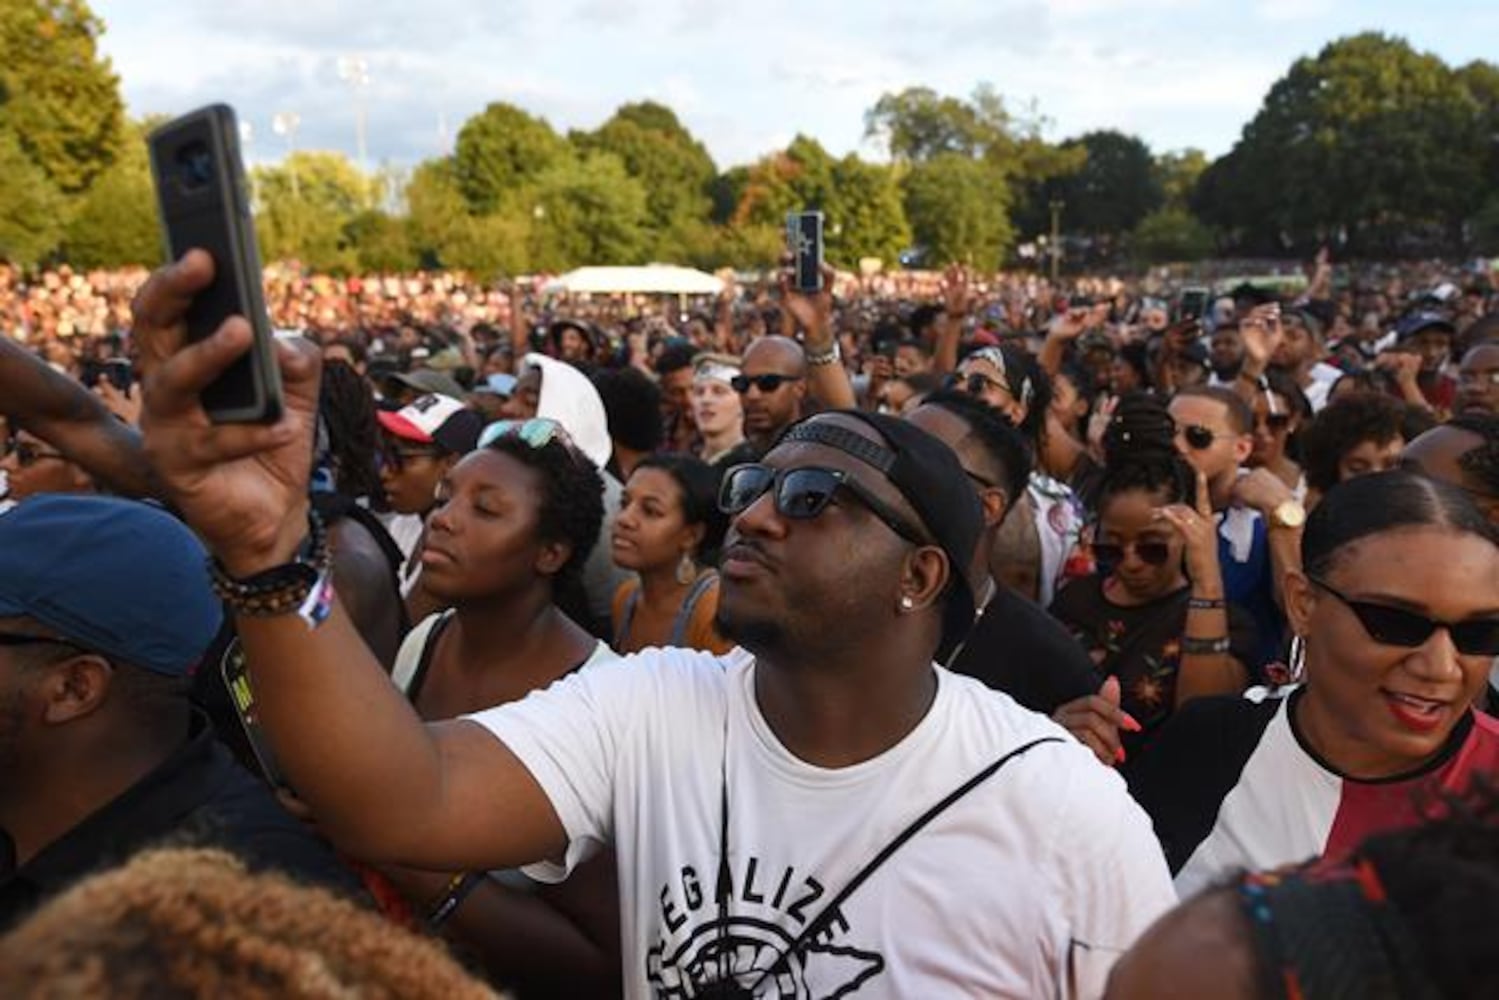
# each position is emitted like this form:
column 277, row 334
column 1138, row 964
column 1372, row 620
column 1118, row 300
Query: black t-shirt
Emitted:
column 1017, row 648
column 199, row 795
column 1140, row 645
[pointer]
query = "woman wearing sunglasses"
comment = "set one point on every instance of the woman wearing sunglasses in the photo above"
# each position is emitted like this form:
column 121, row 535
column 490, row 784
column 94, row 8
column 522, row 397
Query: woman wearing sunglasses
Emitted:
column 514, row 522
column 1279, row 409
column 1397, row 605
column 668, row 520
column 1153, row 616
column 32, row 466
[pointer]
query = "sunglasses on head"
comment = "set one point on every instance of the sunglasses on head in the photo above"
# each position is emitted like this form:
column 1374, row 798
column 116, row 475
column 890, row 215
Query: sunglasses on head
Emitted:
column 765, row 383
column 803, row 493
column 1198, row 437
column 30, row 454
column 1111, row 554
column 1398, row 627
column 537, row 433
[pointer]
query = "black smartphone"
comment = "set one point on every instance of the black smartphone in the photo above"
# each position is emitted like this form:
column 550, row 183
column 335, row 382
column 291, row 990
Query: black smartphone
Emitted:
column 804, row 238
column 203, row 202
column 1193, row 304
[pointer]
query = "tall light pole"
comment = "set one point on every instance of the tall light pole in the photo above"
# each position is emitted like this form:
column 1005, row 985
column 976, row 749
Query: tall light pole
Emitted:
column 285, row 124
column 1057, row 204
column 355, row 71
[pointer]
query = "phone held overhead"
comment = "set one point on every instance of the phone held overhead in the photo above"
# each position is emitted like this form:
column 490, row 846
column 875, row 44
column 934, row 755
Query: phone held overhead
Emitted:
column 204, row 204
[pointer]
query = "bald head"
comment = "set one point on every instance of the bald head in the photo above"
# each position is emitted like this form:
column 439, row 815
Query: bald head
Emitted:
column 776, row 370
column 775, row 355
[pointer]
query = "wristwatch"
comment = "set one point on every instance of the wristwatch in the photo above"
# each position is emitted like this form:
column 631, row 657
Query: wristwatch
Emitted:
column 1288, row 514
column 829, row 357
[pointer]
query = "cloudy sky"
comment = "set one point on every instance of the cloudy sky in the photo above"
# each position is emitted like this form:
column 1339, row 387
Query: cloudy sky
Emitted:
column 744, row 78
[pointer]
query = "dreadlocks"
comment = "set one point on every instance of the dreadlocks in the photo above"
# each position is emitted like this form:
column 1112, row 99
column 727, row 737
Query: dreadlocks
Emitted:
column 347, row 409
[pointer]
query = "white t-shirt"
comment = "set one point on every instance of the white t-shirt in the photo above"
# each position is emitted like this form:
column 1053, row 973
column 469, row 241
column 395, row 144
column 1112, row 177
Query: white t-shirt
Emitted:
column 1045, row 870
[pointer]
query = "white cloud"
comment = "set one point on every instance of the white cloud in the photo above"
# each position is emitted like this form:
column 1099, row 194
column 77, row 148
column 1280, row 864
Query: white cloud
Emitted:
column 742, row 78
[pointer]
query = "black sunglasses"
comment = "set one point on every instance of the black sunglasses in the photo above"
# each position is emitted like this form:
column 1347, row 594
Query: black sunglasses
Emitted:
column 1200, row 438
column 1277, row 421
column 30, row 454
column 765, row 383
column 977, row 383
column 803, row 493
column 1111, row 554
column 1407, row 629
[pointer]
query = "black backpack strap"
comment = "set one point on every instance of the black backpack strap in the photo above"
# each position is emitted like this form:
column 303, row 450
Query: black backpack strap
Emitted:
column 825, row 916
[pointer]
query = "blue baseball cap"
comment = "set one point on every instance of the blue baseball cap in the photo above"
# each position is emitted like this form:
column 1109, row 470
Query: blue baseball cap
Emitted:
column 118, row 577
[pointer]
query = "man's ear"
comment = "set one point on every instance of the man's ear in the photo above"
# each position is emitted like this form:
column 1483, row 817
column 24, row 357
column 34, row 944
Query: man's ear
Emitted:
column 74, row 688
column 925, row 577
column 995, row 504
column 1243, row 448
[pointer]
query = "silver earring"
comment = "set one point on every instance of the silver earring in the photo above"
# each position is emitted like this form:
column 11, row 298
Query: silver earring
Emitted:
column 906, row 604
column 1298, row 659
column 686, row 570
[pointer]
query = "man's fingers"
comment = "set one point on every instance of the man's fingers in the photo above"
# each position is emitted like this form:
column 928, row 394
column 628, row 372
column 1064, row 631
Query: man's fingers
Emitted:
column 162, row 303
column 177, row 382
column 230, row 442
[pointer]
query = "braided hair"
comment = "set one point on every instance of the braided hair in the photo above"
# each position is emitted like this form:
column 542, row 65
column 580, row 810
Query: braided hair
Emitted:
column 347, row 408
column 1481, row 464
column 1139, row 448
column 195, row 923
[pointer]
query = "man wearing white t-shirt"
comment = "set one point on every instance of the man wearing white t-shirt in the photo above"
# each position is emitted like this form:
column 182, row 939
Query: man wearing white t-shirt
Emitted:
column 824, row 813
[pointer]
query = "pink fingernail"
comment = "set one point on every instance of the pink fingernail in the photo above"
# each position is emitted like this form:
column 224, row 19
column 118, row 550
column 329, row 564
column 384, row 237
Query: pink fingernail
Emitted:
column 1130, row 723
column 1119, row 756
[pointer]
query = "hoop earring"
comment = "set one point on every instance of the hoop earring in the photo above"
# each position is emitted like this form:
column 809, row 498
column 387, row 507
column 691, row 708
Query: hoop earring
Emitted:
column 686, row 569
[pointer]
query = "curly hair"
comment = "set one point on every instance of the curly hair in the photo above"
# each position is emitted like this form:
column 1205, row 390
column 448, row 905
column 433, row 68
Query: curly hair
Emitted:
column 572, row 504
column 1140, row 453
column 188, row 923
column 1346, row 423
column 632, row 405
column 347, row 408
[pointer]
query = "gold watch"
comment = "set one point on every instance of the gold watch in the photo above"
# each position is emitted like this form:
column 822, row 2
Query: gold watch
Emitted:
column 1287, row 514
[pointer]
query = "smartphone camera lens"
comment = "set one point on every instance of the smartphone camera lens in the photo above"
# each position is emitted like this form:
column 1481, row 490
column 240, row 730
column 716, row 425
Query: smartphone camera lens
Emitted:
column 196, row 165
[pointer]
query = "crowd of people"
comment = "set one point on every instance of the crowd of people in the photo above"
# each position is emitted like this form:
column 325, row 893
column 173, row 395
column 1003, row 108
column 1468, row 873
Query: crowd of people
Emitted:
column 921, row 635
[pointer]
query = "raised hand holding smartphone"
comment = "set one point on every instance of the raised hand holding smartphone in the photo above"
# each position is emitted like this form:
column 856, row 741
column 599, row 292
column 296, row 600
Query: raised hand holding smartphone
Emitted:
column 204, row 204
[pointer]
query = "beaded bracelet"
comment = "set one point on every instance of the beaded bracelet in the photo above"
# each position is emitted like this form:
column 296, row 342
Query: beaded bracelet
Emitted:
column 302, row 585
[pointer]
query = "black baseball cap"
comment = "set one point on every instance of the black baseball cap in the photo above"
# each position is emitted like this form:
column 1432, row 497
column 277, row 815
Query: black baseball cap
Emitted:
column 930, row 477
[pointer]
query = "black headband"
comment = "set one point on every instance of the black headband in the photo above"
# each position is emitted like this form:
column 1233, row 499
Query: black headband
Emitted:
column 849, row 442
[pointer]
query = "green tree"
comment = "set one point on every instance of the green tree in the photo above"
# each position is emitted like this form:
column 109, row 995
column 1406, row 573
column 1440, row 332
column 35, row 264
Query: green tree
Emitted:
column 865, row 215
column 1370, row 139
column 58, row 98
column 959, row 210
column 381, row 242
column 30, row 206
column 1115, row 188
column 588, row 211
column 306, row 204
column 114, row 223
column 1177, row 173
column 918, row 124
column 674, row 168
column 1171, row 235
column 501, row 150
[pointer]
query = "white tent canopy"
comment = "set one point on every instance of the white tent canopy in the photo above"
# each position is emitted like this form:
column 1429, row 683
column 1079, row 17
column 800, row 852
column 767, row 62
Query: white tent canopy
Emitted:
column 659, row 279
